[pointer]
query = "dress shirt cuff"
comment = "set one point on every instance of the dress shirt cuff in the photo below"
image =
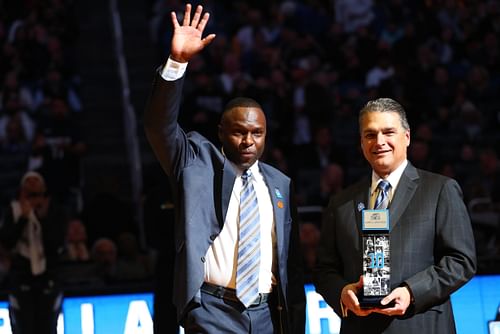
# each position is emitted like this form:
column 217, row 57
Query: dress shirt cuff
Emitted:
column 173, row 70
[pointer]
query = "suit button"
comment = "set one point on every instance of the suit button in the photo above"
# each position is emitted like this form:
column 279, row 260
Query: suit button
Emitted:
column 203, row 259
column 213, row 236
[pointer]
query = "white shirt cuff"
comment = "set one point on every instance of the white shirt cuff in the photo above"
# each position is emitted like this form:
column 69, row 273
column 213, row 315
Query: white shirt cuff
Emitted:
column 173, row 70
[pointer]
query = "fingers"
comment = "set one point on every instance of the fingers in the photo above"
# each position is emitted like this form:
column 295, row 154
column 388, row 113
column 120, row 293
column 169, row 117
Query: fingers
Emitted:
column 203, row 22
column 173, row 17
column 187, row 15
column 197, row 15
column 199, row 22
column 393, row 311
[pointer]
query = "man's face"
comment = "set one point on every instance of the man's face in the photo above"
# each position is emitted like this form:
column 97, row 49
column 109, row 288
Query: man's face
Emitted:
column 34, row 192
column 242, row 133
column 384, row 141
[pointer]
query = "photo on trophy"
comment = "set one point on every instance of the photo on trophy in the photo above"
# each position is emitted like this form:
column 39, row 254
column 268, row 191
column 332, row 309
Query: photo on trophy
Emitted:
column 376, row 269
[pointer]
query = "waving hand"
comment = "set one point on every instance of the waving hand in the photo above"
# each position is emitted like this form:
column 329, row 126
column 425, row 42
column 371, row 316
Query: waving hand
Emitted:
column 187, row 38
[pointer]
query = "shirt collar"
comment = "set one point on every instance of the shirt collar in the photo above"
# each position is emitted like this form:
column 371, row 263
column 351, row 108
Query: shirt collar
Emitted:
column 393, row 178
column 254, row 169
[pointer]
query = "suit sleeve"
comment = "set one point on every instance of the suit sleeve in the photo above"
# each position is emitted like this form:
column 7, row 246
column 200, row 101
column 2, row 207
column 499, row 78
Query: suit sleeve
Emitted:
column 169, row 142
column 454, row 253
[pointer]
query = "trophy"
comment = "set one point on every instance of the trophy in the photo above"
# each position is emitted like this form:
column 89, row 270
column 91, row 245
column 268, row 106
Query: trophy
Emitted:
column 376, row 258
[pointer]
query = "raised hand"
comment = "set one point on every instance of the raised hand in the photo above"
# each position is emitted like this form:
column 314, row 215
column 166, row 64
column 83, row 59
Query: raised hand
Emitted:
column 187, row 38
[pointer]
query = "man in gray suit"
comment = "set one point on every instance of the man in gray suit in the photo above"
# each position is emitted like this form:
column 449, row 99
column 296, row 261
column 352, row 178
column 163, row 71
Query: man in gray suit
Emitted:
column 432, row 251
column 207, row 184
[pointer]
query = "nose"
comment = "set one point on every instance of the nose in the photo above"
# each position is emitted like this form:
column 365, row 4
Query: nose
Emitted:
column 248, row 139
column 380, row 138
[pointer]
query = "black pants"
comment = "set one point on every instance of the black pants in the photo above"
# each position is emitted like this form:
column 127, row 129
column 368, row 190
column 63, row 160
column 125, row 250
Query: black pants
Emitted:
column 34, row 308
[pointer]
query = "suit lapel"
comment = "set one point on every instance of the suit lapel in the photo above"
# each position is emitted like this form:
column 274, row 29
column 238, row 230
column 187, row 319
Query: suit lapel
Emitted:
column 277, row 198
column 404, row 193
column 361, row 201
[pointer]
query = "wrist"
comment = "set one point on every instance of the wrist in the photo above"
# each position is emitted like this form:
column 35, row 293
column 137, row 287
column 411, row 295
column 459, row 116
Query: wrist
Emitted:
column 173, row 69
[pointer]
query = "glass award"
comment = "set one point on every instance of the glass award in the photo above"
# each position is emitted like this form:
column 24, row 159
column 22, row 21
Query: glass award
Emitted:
column 376, row 258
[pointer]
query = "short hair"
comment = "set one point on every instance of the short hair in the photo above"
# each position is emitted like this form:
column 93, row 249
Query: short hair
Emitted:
column 32, row 174
column 385, row 104
column 240, row 102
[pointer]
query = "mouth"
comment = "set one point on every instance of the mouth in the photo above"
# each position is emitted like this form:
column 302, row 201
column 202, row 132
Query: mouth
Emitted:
column 247, row 154
column 381, row 153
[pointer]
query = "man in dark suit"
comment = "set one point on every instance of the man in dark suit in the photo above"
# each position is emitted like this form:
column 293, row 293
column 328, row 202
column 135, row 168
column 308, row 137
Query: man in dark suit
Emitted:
column 206, row 184
column 432, row 251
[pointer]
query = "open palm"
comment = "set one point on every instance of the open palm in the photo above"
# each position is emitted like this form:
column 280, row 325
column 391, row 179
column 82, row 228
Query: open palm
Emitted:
column 187, row 38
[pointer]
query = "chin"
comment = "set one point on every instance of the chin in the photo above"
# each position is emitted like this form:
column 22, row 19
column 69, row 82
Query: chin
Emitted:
column 381, row 169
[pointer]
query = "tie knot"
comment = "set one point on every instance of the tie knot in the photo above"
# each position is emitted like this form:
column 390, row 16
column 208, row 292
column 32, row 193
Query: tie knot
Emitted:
column 384, row 185
column 247, row 174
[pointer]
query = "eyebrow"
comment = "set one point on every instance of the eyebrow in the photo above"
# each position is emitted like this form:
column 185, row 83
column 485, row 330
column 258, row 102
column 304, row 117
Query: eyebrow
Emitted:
column 391, row 128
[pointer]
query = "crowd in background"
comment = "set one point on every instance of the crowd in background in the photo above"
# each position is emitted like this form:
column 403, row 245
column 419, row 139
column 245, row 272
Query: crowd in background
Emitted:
column 311, row 64
column 41, row 130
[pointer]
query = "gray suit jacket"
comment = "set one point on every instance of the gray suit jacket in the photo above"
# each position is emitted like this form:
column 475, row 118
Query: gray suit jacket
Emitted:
column 432, row 251
column 202, row 180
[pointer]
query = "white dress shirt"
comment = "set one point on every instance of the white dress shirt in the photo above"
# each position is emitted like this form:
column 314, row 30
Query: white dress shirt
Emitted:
column 222, row 256
column 393, row 179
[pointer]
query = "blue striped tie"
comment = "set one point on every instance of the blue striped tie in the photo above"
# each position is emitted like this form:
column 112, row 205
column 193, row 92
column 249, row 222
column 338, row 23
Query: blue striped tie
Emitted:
column 382, row 200
column 247, row 275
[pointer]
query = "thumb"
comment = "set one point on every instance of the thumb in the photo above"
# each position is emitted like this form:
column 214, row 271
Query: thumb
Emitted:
column 208, row 39
column 387, row 299
column 359, row 284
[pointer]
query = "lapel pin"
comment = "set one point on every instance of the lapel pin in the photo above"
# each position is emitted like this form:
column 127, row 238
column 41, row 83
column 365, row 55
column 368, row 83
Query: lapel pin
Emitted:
column 280, row 204
column 278, row 193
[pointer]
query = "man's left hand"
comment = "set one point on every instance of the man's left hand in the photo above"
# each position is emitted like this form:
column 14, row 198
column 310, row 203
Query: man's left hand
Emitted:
column 402, row 299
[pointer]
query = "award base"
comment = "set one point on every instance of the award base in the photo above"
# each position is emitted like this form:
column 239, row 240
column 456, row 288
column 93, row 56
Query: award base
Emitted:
column 373, row 301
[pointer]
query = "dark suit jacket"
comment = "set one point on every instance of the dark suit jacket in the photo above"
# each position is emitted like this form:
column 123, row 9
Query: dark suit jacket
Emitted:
column 432, row 251
column 202, row 180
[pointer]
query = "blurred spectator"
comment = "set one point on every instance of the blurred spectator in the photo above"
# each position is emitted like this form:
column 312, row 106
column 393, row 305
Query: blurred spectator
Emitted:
column 32, row 231
column 321, row 152
column 104, row 255
column 353, row 14
column 13, row 108
column 62, row 147
column 53, row 86
column 132, row 264
column 12, row 87
column 419, row 154
column 309, row 239
column 382, row 71
column 76, row 248
column 331, row 182
column 15, row 141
